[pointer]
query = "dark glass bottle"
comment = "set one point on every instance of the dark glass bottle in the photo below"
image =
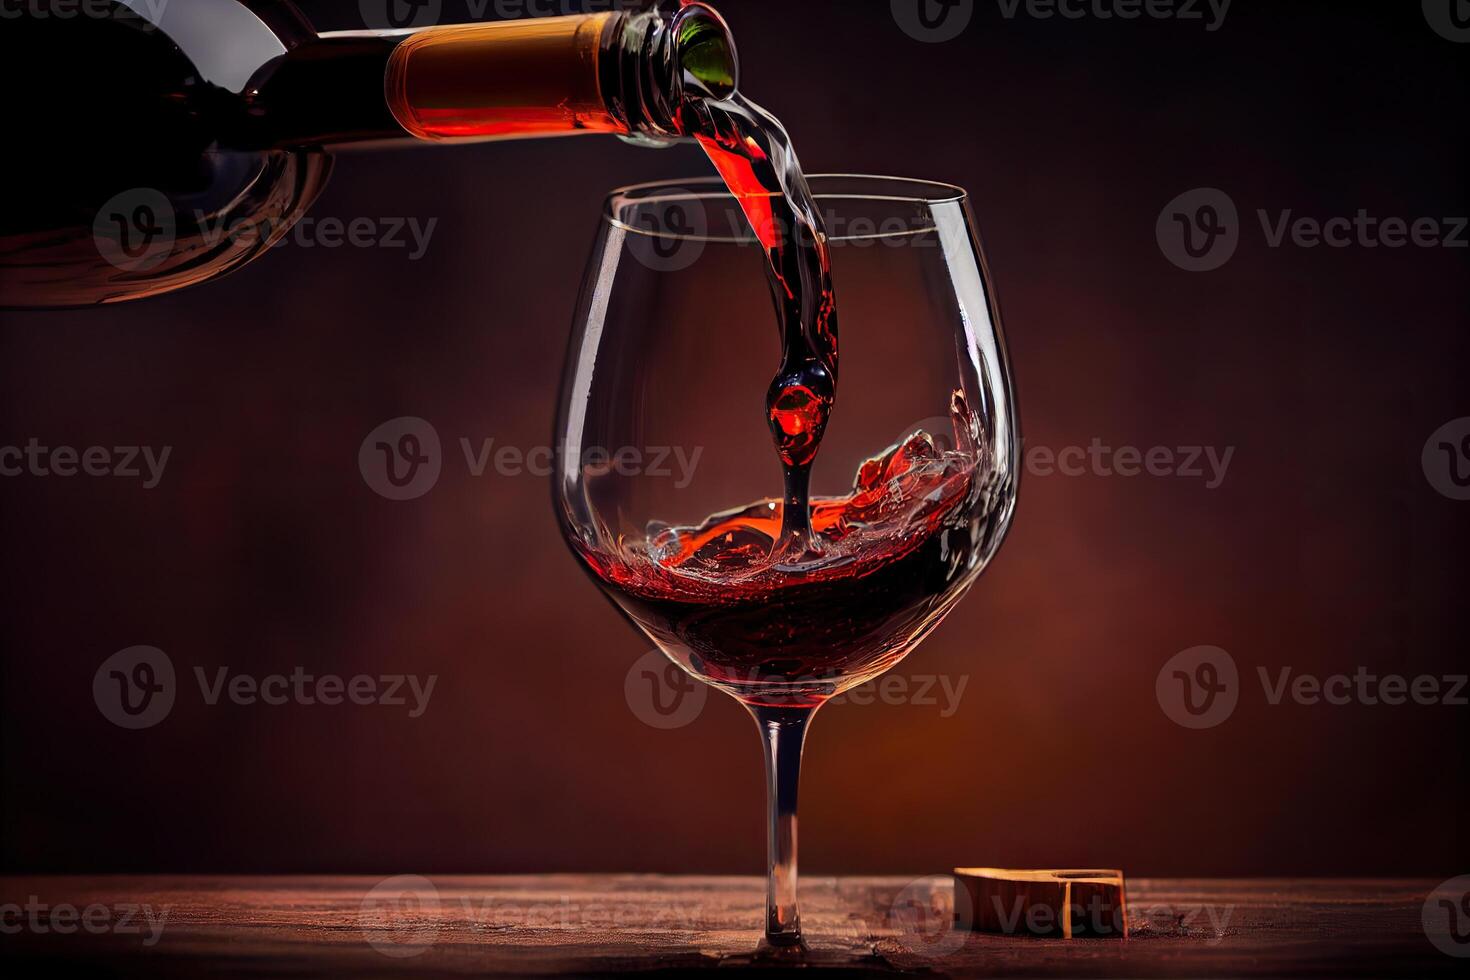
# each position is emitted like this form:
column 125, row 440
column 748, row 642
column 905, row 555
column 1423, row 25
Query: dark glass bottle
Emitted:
column 154, row 146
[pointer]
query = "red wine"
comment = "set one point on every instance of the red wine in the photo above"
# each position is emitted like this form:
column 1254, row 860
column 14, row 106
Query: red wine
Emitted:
column 724, row 601
column 752, row 152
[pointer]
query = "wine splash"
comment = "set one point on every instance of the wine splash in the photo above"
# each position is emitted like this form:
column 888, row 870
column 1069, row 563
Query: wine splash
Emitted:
column 712, row 596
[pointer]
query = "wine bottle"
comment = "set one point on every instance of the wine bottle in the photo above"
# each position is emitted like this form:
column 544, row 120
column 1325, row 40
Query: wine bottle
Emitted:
column 155, row 146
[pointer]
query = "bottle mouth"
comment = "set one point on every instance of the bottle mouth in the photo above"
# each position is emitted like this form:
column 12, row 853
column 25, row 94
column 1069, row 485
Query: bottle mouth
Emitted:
column 705, row 53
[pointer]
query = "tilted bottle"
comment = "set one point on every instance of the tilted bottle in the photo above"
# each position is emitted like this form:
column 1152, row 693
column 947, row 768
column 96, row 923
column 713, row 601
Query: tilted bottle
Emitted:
column 155, row 145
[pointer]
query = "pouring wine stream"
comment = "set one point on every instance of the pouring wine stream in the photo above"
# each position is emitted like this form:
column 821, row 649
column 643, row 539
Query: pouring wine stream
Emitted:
column 752, row 152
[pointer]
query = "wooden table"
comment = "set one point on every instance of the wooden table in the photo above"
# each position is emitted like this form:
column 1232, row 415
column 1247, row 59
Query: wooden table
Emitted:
column 592, row 924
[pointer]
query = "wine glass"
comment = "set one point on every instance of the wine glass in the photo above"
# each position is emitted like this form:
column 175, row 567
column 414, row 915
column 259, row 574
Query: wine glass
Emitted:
column 669, row 489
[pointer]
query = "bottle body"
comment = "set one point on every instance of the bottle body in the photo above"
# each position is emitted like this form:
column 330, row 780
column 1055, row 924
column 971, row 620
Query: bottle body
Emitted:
column 167, row 145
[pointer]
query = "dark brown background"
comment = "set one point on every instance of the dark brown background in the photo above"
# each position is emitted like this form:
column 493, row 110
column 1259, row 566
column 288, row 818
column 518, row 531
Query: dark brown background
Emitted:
column 1325, row 548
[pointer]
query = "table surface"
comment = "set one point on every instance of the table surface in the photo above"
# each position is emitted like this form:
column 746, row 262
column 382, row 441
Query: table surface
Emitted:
column 597, row 924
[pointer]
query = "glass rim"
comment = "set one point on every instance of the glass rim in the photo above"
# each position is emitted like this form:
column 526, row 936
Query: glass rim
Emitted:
column 902, row 190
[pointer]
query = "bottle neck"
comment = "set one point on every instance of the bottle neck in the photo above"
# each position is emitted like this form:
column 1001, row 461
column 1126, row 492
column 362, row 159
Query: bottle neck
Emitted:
column 653, row 65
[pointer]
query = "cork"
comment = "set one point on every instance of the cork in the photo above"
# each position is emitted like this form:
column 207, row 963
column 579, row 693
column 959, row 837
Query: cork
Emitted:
column 1061, row 902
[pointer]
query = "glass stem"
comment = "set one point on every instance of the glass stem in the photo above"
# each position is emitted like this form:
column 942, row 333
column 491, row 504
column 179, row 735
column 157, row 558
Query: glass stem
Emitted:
column 783, row 731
